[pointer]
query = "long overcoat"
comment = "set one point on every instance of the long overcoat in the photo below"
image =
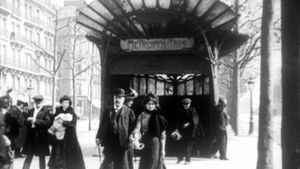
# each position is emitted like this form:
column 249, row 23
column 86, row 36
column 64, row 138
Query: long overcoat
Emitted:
column 21, row 137
column 37, row 137
column 66, row 153
column 195, row 129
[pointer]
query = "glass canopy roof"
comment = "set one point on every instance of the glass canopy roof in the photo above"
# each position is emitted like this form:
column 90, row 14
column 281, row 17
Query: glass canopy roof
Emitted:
column 159, row 18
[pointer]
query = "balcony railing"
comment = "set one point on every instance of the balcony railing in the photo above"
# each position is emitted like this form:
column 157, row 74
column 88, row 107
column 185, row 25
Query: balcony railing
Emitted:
column 17, row 38
column 46, row 3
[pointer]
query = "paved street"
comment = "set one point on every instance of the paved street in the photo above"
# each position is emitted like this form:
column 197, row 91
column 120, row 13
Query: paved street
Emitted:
column 241, row 152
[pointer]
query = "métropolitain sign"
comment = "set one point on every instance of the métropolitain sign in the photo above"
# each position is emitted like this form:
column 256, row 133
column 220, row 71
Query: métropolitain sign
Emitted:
column 159, row 44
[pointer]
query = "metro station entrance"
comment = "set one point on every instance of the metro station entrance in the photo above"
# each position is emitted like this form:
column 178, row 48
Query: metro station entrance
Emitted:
column 168, row 47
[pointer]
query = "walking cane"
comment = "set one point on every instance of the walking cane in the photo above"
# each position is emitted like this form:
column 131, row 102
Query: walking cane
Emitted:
column 134, row 154
column 99, row 151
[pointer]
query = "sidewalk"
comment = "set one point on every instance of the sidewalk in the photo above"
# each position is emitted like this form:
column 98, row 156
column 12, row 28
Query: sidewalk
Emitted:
column 242, row 153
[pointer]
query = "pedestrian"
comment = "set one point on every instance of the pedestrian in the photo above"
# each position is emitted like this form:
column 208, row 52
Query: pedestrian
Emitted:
column 190, row 128
column 6, row 154
column 66, row 152
column 151, row 131
column 19, row 139
column 36, row 144
column 116, row 125
column 220, row 121
column 131, row 94
column 25, row 109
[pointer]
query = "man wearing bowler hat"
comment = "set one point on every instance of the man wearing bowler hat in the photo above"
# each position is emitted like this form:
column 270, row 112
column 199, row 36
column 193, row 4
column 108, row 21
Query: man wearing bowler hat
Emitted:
column 115, row 128
column 37, row 122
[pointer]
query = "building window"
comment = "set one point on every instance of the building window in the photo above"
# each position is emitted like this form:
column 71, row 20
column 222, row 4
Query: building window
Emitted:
column 78, row 89
column 38, row 36
column 4, row 84
column 4, row 54
column 19, row 58
column 26, row 10
column 14, row 82
column 30, row 11
column 78, row 68
column 18, row 83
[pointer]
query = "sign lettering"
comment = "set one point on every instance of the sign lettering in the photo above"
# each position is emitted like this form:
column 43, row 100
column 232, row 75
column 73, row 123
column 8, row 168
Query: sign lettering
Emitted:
column 157, row 44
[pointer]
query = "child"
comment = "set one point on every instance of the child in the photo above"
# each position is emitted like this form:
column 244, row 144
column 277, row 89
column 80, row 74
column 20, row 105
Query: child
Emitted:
column 57, row 128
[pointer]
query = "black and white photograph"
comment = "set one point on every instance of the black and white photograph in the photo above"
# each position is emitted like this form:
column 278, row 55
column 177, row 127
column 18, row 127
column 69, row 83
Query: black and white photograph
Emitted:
column 149, row 84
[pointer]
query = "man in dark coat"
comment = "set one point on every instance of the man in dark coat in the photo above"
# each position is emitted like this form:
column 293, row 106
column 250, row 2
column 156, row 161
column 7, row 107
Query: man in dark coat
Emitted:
column 6, row 154
column 12, row 126
column 115, row 128
column 37, row 122
column 19, row 139
column 190, row 127
column 221, row 119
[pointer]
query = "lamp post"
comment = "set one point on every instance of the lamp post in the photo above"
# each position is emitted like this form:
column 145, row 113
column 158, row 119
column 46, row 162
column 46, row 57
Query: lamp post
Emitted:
column 29, row 89
column 251, row 123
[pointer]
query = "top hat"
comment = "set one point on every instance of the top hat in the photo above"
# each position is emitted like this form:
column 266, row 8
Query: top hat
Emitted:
column 38, row 98
column 119, row 92
column 186, row 101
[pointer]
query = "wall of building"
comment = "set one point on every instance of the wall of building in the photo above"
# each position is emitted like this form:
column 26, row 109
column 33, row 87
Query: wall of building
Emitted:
column 26, row 38
column 85, row 55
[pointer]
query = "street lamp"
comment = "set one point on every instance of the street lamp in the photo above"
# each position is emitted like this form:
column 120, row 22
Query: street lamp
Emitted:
column 29, row 89
column 251, row 123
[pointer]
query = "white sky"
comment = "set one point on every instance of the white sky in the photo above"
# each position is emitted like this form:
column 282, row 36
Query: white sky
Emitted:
column 61, row 2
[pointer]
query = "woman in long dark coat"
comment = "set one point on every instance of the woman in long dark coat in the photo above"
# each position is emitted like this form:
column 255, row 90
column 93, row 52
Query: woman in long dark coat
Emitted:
column 66, row 152
column 151, row 126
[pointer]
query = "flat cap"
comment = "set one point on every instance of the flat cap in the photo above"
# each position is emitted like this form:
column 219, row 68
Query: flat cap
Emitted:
column 186, row 101
column 20, row 102
column 38, row 98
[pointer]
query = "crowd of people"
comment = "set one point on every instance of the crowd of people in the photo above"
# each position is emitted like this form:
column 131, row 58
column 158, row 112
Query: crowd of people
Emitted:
column 120, row 132
column 27, row 132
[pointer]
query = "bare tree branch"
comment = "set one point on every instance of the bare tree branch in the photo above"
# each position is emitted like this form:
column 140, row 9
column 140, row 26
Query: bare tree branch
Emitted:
column 83, row 70
column 39, row 65
column 60, row 60
column 252, row 48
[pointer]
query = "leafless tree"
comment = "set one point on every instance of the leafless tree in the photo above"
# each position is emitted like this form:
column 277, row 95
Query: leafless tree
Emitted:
column 58, row 56
column 265, row 135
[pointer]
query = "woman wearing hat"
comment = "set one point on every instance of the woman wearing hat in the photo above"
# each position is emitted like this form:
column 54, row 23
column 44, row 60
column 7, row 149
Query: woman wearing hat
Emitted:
column 66, row 152
column 151, row 129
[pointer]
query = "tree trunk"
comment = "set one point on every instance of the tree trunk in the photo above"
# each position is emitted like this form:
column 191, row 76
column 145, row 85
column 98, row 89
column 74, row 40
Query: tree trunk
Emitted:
column 234, row 115
column 53, row 92
column 91, row 93
column 235, row 97
column 265, row 137
column 74, row 90
column 290, row 131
